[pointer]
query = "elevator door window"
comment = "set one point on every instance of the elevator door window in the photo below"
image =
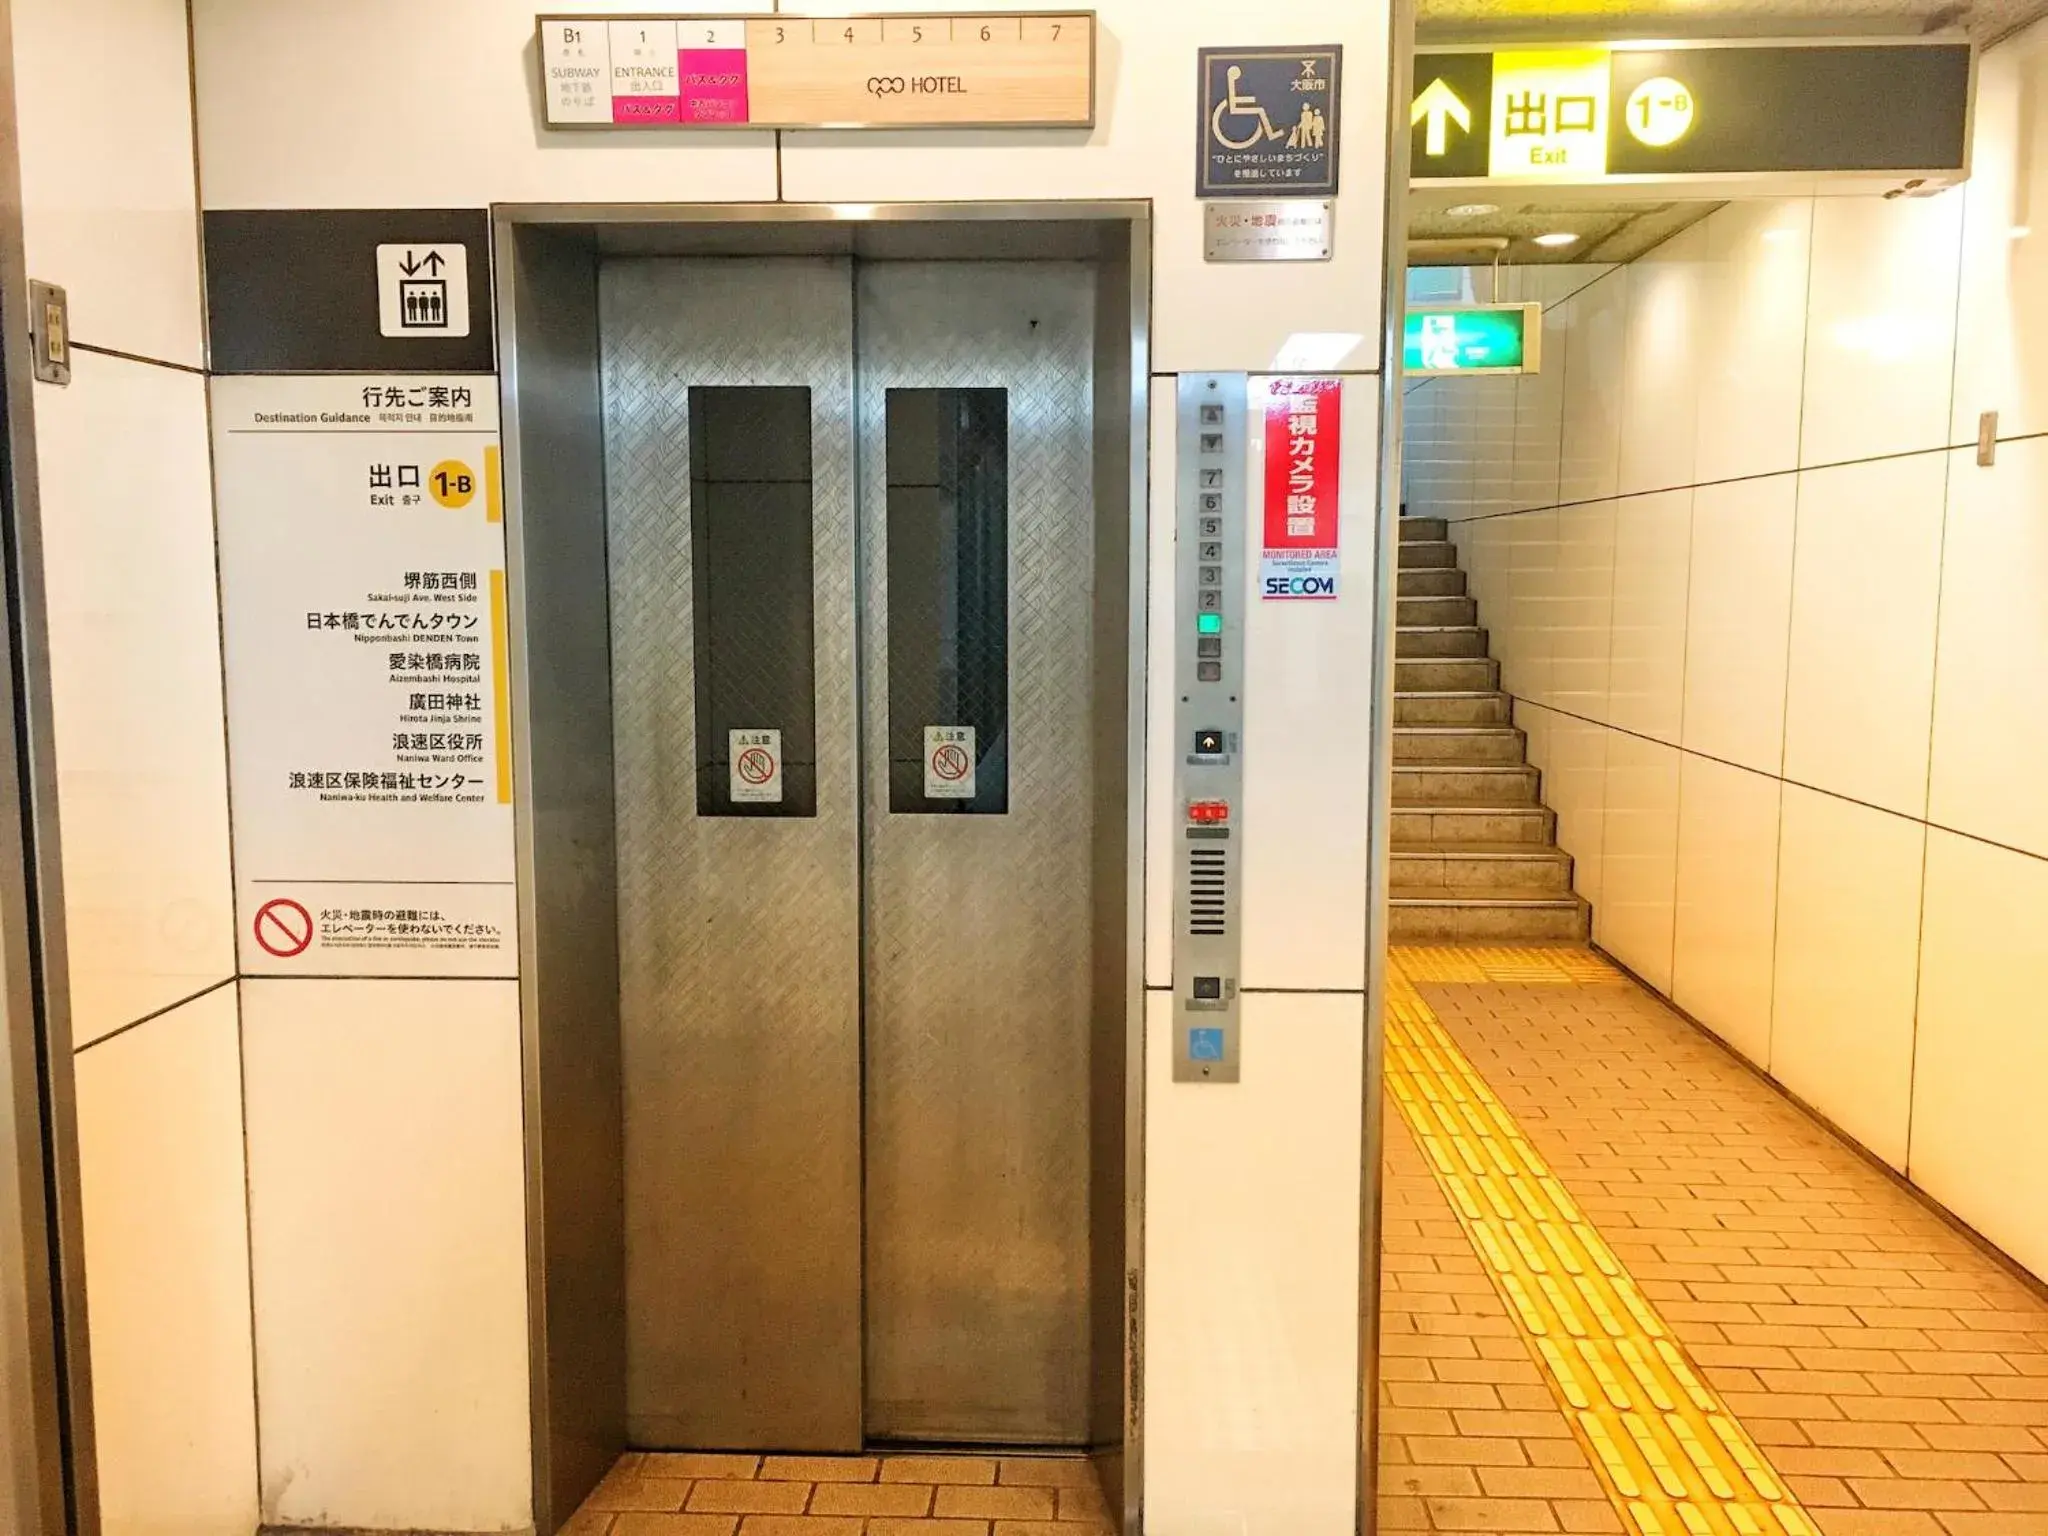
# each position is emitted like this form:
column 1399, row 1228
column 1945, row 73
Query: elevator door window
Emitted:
column 949, row 600
column 750, row 535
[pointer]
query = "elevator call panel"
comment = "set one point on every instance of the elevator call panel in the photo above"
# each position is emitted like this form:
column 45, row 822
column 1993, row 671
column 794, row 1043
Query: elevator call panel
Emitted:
column 1208, row 782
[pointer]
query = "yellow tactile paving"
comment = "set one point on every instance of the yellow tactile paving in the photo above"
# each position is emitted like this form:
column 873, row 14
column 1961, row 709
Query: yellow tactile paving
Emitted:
column 1561, row 964
column 1671, row 1456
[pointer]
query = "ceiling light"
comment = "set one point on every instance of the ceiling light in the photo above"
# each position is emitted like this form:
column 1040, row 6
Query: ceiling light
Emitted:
column 1558, row 237
column 1471, row 210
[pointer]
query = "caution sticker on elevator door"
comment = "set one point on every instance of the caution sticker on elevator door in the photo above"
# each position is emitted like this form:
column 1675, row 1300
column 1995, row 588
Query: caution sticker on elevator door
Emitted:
column 949, row 762
column 756, row 767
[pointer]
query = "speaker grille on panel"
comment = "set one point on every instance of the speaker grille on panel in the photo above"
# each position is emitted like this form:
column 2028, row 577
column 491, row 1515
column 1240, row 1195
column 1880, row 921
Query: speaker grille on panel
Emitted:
column 1208, row 890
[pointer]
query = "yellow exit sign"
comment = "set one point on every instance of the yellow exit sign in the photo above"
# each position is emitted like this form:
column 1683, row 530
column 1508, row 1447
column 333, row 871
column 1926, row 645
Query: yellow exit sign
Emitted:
column 1549, row 114
column 1586, row 112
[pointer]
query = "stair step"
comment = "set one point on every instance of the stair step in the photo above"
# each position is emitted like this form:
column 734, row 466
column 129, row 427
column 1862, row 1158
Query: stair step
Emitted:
column 1424, row 529
column 1435, row 640
column 1423, row 919
column 1428, row 555
column 1468, row 674
column 1448, row 708
column 1470, row 745
column 1440, row 583
column 1488, row 870
column 1418, row 612
column 1425, row 788
column 1442, row 826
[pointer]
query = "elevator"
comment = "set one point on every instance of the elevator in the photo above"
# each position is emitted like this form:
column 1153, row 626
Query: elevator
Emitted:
column 828, row 544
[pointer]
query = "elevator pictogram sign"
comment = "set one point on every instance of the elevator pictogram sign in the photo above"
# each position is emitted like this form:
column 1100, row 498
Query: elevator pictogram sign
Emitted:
column 284, row 928
column 423, row 290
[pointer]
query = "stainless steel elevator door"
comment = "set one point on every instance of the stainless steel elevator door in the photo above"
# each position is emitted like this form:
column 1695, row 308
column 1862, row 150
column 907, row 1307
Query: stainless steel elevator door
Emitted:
column 852, row 506
column 977, row 909
column 738, row 918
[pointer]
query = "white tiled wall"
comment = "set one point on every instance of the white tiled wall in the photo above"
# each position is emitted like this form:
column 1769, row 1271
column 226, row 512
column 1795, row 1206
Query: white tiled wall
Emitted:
column 312, row 107
column 387, row 1224
column 167, row 1273
column 135, row 667
column 1980, row 1142
column 1779, row 641
column 110, row 214
column 1273, row 1166
column 103, row 91
column 1847, row 958
column 389, row 103
column 1724, row 942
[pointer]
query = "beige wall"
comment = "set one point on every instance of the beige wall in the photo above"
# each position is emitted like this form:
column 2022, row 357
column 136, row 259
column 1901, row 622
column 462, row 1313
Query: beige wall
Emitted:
column 1778, row 641
column 127, row 518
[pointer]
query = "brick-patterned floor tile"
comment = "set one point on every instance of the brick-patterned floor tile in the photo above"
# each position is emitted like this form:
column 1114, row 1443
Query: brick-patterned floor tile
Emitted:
column 718, row 1496
column 1046, row 1472
column 1894, row 1372
column 1896, row 1376
column 819, row 1469
column 985, row 1503
column 629, row 1493
column 961, row 1470
column 694, row 1464
column 895, row 1499
column 673, row 1525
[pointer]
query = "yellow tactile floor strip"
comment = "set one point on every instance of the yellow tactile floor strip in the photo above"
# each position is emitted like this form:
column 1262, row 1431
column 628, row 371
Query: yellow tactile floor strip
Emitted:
column 1673, row 1459
column 1520, row 966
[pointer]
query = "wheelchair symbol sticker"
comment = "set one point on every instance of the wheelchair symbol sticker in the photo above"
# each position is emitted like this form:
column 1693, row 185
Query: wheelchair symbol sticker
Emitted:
column 1269, row 121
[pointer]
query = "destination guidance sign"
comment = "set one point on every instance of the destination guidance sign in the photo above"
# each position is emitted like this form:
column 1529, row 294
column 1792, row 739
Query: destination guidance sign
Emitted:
column 1601, row 111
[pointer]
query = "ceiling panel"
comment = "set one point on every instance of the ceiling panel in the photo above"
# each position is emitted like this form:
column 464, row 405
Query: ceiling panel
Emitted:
column 1572, row 20
column 1607, row 231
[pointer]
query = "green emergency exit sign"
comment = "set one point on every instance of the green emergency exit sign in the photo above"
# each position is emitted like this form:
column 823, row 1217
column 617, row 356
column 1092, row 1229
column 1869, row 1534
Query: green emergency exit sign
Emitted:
column 1485, row 338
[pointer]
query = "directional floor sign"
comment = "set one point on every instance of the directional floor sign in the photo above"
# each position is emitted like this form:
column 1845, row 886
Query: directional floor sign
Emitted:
column 1601, row 111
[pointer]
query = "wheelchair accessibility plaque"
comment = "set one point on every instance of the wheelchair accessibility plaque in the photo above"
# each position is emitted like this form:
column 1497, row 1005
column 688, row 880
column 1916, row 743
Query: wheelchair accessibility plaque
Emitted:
column 1269, row 122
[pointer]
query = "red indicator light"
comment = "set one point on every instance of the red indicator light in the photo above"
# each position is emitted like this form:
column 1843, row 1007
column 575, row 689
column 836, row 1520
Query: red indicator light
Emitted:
column 1208, row 810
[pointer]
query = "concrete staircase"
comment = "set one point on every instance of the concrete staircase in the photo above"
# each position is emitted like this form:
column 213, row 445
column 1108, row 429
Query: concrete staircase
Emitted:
column 1475, row 855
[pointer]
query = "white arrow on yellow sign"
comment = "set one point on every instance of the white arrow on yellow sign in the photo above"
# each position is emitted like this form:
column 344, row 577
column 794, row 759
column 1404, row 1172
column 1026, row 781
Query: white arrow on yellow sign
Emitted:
column 1442, row 106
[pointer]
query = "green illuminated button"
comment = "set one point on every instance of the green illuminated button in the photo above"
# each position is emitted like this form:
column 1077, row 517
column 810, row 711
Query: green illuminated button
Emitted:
column 1209, row 623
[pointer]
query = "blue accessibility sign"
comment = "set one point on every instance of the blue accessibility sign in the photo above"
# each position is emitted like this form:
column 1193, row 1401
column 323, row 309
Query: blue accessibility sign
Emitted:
column 1269, row 122
column 1205, row 1045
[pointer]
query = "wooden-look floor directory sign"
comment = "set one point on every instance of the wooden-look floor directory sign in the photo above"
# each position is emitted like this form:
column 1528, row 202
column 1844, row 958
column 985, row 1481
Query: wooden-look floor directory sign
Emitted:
column 980, row 70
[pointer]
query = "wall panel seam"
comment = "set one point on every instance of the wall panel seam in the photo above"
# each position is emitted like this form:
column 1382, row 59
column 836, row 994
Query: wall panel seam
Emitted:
column 155, row 1013
column 1768, row 474
column 137, row 357
column 1818, row 789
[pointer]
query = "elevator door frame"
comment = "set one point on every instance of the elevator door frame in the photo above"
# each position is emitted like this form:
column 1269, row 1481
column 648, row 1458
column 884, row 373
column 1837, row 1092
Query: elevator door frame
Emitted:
column 545, row 260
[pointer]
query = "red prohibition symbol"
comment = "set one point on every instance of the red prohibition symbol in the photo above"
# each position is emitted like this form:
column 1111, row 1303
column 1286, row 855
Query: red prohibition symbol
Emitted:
column 756, row 766
column 950, row 763
column 283, row 928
